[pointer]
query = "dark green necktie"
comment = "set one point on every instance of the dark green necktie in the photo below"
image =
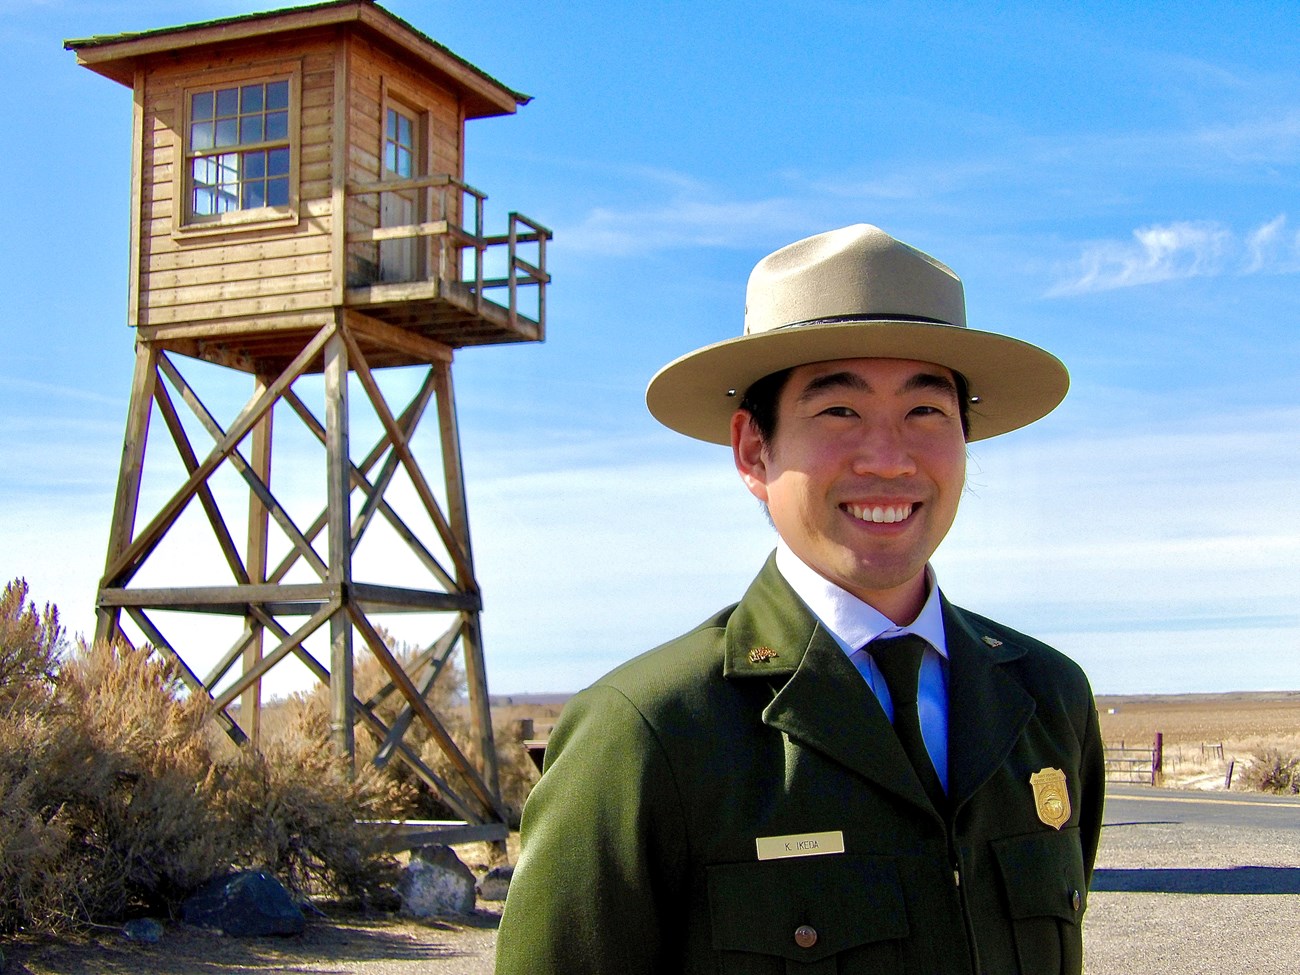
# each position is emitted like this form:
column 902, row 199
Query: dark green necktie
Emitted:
column 899, row 661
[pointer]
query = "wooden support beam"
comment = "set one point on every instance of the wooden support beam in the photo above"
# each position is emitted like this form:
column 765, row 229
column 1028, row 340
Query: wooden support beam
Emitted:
column 398, row 439
column 261, row 491
column 302, row 598
column 458, row 506
column 285, row 647
column 191, row 463
column 437, row 657
column 258, row 529
column 410, row 417
column 338, row 464
column 381, row 732
column 490, row 800
column 127, row 501
column 191, row 679
column 127, row 562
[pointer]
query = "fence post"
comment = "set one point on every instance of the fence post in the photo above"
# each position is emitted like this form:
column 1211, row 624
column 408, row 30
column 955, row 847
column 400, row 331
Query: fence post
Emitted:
column 1227, row 779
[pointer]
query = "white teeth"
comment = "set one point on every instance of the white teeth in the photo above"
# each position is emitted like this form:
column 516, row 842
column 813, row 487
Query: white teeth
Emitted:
column 881, row 514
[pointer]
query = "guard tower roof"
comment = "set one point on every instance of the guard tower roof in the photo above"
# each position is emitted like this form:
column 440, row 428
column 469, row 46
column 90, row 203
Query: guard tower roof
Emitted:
column 116, row 56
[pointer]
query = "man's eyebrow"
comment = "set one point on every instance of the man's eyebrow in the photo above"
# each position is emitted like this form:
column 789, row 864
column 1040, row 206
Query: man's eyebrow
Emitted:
column 930, row 380
column 833, row 381
column 852, row 381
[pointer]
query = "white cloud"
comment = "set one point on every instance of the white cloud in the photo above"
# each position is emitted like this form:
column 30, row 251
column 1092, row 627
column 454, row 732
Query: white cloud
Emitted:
column 1179, row 250
column 680, row 223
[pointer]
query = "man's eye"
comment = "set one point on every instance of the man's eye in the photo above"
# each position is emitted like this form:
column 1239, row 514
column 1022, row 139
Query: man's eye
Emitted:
column 838, row 411
column 929, row 411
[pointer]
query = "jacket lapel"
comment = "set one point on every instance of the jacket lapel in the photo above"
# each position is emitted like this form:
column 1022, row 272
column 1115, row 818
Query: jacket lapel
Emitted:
column 987, row 709
column 823, row 702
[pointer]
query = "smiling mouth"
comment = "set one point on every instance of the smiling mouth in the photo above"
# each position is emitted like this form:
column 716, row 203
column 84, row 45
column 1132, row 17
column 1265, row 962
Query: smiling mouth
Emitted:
column 880, row 514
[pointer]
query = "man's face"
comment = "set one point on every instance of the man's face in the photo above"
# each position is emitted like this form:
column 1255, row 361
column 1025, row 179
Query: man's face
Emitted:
column 863, row 475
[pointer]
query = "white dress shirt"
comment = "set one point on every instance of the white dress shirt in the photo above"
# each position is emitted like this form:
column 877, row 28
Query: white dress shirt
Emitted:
column 853, row 625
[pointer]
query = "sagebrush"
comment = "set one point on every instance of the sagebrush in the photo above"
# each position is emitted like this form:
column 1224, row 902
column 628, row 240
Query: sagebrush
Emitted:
column 1273, row 770
column 116, row 797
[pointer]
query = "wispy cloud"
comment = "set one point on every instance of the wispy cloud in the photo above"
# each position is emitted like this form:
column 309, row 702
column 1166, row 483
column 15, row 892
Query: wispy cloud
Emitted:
column 685, row 221
column 1179, row 250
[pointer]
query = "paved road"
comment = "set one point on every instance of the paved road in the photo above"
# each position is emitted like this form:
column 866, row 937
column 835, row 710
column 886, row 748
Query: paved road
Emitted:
column 1190, row 883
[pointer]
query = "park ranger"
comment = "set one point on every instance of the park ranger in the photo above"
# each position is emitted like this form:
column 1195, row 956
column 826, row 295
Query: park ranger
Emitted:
column 843, row 772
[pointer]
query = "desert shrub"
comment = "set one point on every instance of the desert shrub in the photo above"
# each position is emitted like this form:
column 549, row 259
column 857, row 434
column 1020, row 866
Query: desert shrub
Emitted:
column 299, row 811
column 447, row 698
column 102, row 814
column 31, row 642
column 1273, row 770
column 116, row 796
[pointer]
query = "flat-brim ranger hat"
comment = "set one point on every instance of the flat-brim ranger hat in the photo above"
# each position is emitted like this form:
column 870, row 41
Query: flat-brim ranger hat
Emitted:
column 848, row 294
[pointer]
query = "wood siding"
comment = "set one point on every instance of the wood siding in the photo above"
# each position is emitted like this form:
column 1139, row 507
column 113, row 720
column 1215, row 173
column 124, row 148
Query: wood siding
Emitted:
column 196, row 274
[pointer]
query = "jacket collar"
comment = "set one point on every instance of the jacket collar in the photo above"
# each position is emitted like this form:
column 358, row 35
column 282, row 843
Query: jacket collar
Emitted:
column 771, row 634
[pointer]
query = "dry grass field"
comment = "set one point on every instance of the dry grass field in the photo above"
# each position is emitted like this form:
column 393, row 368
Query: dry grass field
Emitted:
column 1202, row 733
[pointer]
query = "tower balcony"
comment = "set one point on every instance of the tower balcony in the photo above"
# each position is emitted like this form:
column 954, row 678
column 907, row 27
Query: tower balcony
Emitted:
column 418, row 258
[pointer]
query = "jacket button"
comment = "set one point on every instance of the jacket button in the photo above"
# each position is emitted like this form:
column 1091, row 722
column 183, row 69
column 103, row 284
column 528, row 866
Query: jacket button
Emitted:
column 805, row 936
column 1076, row 899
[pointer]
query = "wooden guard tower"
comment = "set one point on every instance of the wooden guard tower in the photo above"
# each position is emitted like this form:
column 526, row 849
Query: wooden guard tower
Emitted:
column 299, row 215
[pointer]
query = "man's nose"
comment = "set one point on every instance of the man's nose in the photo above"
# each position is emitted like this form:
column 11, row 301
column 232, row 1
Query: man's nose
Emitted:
column 882, row 451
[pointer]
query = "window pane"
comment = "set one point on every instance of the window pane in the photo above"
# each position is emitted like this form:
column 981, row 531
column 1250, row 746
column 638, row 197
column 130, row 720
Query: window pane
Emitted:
column 250, row 129
column 403, row 162
column 201, row 105
column 390, row 157
column 254, row 165
column 203, row 202
column 277, row 192
column 391, row 127
column 226, row 202
column 250, row 99
column 277, row 162
column 277, row 94
column 227, row 101
column 404, row 130
column 227, row 131
column 254, row 194
column 203, row 172
column 201, row 135
column 228, row 169
column 277, row 126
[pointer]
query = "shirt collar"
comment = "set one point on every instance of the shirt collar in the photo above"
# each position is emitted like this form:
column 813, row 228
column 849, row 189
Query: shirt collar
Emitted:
column 847, row 618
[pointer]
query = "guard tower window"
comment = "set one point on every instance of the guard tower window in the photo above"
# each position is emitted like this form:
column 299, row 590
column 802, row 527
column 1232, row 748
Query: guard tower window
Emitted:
column 239, row 150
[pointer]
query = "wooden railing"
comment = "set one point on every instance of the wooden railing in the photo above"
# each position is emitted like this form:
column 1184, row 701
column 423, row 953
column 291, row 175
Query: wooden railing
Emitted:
column 461, row 251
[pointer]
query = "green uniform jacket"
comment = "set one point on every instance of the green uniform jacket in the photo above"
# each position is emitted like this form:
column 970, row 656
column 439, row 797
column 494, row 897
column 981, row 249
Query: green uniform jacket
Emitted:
column 639, row 850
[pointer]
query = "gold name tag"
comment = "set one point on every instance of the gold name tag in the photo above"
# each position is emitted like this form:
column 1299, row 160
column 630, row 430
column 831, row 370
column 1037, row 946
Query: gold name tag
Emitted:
column 800, row 845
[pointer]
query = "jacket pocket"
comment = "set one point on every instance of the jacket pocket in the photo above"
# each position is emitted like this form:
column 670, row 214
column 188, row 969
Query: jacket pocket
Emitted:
column 1043, row 876
column 806, row 915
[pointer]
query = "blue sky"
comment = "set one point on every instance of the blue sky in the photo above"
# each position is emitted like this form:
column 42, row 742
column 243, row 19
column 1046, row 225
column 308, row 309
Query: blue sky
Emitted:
column 1117, row 183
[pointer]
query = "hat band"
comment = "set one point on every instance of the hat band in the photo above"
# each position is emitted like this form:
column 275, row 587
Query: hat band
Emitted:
column 838, row 319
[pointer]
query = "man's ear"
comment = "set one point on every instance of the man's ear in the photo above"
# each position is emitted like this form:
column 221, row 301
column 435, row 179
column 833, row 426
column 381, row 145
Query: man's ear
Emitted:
column 749, row 452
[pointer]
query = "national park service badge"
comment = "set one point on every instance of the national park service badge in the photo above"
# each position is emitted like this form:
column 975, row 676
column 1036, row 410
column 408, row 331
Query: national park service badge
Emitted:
column 1051, row 798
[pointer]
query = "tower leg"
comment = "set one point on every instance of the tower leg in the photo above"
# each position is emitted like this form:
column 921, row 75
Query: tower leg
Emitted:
column 458, row 516
column 339, row 519
column 107, row 626
column 250, row 704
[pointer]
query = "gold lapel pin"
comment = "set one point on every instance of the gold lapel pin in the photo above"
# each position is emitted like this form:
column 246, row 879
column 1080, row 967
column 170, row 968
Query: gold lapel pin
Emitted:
column 992, row 641
column 761, row 655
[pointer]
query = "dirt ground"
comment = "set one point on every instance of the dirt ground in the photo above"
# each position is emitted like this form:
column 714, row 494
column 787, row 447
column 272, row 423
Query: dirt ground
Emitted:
column 1201, row 733
column 377, row 945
